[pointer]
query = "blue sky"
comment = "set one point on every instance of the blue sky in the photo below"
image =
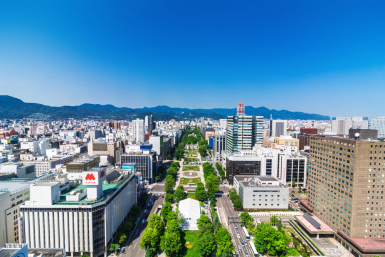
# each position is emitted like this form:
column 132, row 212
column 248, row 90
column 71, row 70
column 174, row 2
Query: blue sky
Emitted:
column 323, row 57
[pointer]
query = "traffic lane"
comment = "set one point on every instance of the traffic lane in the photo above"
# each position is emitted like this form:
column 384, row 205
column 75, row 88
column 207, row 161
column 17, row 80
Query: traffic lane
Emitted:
column 234, row 235
column 132, row 247
column 233, row 213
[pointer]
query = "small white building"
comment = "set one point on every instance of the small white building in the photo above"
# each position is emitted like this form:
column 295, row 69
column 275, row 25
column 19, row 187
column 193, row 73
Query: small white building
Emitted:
column 191, row 210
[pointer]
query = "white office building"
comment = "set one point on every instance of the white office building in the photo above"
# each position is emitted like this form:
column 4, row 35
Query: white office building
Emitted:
column 82, row 221
column 39, row 146
column 219, row 144
column 138, row 130
column 261, row 192
column 379, row 124
column 341, row 125
column 278, row 128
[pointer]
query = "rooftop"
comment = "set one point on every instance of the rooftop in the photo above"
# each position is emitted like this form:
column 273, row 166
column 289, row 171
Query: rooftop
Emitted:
column 108, row 189
column 325, row 229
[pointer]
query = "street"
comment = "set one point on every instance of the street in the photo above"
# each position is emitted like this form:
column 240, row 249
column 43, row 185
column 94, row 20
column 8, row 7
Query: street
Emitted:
column 132, row 248
column 224, row 202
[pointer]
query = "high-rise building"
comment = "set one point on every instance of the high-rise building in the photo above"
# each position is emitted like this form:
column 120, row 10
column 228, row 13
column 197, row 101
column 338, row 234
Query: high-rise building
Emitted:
column 379, row 124
column 346, row 188
column 243, row 132
column 219, row 145
column 278, row 128
column 341, row 125
column 148, row 122
column 138, row 130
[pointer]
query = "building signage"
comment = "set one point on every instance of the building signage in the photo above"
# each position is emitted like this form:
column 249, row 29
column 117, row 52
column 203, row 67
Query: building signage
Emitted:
column 94, row 177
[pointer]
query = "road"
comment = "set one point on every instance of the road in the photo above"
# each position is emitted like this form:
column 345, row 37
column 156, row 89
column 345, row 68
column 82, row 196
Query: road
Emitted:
column 132, row 247
column 224, row 202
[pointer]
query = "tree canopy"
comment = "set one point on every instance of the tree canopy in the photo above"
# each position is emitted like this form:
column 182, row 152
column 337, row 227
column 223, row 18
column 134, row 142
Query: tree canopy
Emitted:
column 152, row 233
column 200, row 193
column 179, row 193
column 269, row 240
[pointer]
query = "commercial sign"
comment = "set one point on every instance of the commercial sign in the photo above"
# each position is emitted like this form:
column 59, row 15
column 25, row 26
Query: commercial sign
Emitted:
column 94, row 177
column 14, row 138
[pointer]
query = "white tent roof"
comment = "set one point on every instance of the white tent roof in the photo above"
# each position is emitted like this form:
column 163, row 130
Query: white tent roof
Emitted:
column 190, row 208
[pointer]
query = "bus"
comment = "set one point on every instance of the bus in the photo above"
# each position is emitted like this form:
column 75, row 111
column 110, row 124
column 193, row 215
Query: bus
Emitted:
column 247, row 237
column 252, row 246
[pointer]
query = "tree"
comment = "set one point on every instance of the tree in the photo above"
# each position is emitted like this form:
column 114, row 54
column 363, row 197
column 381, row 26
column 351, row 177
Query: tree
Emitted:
column 271, row 241
column 212, row 184
column 167, row 208
column 122, row 239
column 275, row 221
column 176, row 215
column 84, row 255
column 152, row 233
column 170, row 184
column 175, row 164
column 135, row 211
column 299, row 188
column 245, row 217
column 216, row 224
column 206, row 243
column 127, row 227
column 250, row 226
column 179, row 194
column 148, row 252
column 113, row 247
column 171, row 242
column 169, row 198
column 169, row 156
column 204, row 223
column 293, row 183
column 200, row 193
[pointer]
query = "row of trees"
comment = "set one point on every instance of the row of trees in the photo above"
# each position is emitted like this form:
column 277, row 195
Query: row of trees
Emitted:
column 211, row 180
column 212, row 235
column 156, row 237
column 170, row 181
column 182, row 143
column 235, row 198
column 220, row 170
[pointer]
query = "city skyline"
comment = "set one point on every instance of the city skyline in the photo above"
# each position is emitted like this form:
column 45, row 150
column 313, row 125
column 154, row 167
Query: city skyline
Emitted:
column 308, row 57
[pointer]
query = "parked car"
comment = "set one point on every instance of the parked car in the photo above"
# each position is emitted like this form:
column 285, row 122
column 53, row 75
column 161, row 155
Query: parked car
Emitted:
column 122, row 250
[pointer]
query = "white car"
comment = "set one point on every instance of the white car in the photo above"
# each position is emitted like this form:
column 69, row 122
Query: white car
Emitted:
column 143, row 221
column 238, row 236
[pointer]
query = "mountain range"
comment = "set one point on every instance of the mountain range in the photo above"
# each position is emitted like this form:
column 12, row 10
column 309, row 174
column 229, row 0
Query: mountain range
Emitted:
column 14, row 108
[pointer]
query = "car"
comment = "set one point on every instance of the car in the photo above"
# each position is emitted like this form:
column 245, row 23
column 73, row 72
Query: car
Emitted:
column 238, row 236
column 240, row 249
column 246, row 253
column 122, row 250
column 242, row 243
column 143, row 221
column 235, row 225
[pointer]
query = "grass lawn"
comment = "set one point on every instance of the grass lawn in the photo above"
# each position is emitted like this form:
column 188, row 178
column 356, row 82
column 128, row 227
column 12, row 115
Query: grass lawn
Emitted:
column 192, row 153
column 185, row 168
column 191, row 195
column 187, row 159
column 192, row 238
column 185, row 181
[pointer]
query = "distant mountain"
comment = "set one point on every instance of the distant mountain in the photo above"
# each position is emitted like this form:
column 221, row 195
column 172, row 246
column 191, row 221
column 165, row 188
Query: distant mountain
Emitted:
column 14, row 108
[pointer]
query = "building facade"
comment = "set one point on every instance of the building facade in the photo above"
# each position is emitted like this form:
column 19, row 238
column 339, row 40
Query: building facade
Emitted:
column 145, row 163
column 346, row 185
column 138, row 130
column 243, row 133
column 379, row 124
column 83, row 223
column 262, row 192
column 219, row 145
